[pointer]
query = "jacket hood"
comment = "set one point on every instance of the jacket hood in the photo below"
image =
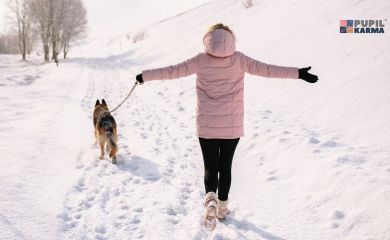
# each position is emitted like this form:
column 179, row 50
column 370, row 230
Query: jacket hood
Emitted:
column 219, row 43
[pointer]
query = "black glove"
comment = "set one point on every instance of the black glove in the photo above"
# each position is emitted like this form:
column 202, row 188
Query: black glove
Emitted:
column 308, row 77
column 139, row 78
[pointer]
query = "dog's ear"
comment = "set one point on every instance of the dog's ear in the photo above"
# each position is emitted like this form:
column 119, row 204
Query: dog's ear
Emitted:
column 97, row 102
column 104, row 102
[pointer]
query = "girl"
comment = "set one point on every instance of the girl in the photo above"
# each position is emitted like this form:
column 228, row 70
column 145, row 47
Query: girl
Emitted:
column 220, row 107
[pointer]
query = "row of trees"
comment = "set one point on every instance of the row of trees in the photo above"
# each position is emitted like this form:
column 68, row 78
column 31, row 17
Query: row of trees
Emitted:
column 55, row 22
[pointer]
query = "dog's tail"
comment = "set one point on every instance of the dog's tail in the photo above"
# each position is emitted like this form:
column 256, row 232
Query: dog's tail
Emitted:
column 112, row 145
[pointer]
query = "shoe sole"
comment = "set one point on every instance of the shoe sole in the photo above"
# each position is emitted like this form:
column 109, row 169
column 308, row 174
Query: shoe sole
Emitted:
column 210, row 221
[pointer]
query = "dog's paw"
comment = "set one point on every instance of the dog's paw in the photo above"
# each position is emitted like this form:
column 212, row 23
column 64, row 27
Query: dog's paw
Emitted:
column 101, row 157
column 114, row 160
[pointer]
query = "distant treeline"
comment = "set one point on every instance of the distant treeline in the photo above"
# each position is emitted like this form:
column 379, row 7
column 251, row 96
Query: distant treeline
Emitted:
column 53, row 23
column 9, row 43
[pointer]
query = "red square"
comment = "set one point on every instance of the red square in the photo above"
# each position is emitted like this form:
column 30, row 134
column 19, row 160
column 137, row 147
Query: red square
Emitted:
column 343, row 23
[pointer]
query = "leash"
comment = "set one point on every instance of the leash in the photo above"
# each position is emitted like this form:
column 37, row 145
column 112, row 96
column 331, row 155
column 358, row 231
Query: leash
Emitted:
column 128, row 95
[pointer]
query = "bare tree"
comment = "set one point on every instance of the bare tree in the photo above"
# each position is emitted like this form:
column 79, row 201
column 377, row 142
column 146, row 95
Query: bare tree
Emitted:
column 59, row 22
column 75, row 23
column 42, row 14
column 21, row 17
column 61, row 10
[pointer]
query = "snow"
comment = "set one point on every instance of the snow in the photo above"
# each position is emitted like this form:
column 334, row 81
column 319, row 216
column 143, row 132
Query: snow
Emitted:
column 313, row 164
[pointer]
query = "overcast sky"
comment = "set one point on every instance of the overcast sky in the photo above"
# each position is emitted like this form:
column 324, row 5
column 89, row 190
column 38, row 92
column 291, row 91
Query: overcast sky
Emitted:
column 132, row 14
column 128, row 14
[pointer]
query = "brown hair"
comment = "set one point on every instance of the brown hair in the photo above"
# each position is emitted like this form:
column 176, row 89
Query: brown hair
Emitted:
column 219, row 26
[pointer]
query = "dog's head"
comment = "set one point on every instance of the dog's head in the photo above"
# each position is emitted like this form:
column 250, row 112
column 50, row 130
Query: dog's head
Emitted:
column 102, row 105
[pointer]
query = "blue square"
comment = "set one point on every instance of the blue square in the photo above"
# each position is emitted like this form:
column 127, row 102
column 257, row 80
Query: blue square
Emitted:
column 343, row 29
column 350, row 23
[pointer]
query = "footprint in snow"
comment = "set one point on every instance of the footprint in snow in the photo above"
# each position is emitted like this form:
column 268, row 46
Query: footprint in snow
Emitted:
column 135, row 220
column 144, row 135
column 100, row 229
column 353, row 160
column 330, row 144
column 171, row 211
column 337, row 215
column 283, row 140
column 251, row 146
column 335, row 225
column 271, row 176
column 138, row 210
column 314, row 140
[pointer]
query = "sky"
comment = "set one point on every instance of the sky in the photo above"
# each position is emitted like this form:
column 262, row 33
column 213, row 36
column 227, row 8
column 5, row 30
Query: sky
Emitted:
column 129, row 14
column 2, row 14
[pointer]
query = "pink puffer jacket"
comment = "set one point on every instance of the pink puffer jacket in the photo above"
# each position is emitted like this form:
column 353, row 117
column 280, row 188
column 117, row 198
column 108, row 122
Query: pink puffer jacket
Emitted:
column 220, row 83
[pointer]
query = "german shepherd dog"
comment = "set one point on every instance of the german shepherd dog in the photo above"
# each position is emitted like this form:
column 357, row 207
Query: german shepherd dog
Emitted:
column 105, row 130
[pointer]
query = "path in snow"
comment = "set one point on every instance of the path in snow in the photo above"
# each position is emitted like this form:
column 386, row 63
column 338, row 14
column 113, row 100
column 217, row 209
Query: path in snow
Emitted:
column 40, row 139
column 108, row 201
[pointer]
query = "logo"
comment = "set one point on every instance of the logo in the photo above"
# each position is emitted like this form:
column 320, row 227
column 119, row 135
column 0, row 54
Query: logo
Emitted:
column 362, row 26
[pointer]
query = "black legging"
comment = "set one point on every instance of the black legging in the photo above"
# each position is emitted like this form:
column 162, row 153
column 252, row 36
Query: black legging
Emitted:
column 217, row 158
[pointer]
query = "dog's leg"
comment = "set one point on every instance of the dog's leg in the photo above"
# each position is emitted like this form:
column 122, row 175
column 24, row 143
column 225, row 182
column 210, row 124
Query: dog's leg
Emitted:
column 101, row 143
column 96, row 139
column 115, row 136
column 113, row 140
column 113, row 155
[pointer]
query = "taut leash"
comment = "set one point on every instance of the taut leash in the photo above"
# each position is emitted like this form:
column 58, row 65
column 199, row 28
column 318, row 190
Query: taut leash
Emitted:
column 128, row 95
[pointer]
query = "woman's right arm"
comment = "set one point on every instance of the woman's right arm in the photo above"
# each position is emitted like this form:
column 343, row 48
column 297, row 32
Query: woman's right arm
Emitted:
column 256, row 67
column 182, row 69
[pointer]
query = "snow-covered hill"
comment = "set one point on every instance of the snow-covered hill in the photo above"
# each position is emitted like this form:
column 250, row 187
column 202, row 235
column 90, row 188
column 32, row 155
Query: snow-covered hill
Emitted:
column 314, row 163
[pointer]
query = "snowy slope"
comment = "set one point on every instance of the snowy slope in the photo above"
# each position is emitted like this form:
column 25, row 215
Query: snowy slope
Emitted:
column 314, row 163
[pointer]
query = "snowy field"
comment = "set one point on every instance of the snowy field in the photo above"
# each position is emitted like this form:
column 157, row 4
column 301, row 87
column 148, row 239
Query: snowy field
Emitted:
column 314, row 162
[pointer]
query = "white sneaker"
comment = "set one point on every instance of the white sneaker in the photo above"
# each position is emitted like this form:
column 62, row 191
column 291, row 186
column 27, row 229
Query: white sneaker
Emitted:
column 222, row 210
column 210, row 215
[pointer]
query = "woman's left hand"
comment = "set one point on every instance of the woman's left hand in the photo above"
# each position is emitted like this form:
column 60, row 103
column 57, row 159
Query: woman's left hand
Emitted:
column 305, row 75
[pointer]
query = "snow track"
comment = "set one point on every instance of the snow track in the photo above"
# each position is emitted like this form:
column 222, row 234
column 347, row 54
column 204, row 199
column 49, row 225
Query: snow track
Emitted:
column 129, row 199
column 39, row 136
